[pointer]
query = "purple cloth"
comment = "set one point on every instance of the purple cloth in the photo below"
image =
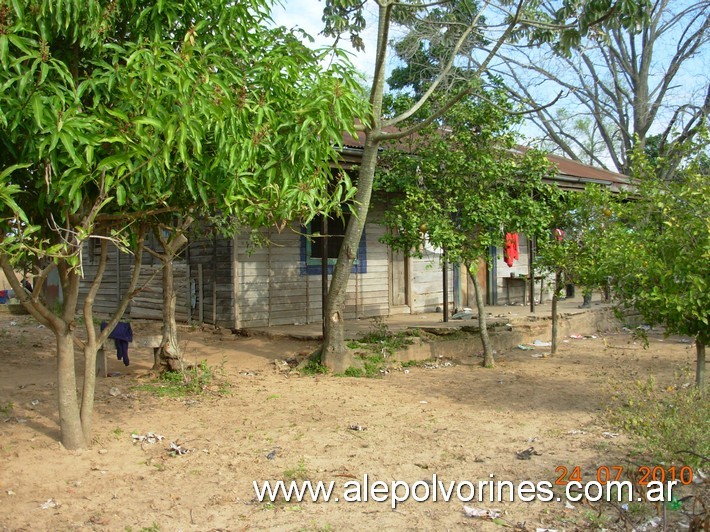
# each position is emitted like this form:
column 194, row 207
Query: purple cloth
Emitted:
column 122, row 334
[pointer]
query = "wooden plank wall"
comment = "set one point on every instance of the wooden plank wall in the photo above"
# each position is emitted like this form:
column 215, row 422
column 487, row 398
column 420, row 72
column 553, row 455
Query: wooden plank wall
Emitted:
column 427, row 283
column 372, row 289
column 274, row 289
column 210, row 262
column 148, row 304
column 115, row 280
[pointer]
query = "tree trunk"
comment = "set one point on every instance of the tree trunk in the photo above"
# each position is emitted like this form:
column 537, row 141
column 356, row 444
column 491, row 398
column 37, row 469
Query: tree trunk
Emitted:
column 72, row 434
column 700, row 364
column 75, row 422
column 488, row 361
column 334, row 353
column 169, row 356
column 88, row 390
column 555, row 318
column 91, row 346
column 62, row 325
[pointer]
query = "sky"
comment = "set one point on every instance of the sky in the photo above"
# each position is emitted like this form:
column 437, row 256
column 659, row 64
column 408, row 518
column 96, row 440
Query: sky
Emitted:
column 306, row 14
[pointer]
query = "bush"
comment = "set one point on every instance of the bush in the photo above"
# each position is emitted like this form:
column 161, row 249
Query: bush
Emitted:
column 194, row 380
column 667, row 424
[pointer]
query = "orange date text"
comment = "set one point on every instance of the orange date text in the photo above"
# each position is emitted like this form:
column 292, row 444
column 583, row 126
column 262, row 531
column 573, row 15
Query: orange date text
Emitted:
column 614, row 473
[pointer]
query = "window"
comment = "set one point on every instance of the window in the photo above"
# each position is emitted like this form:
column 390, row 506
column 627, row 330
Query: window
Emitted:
column 335, row 232
column 312, row 246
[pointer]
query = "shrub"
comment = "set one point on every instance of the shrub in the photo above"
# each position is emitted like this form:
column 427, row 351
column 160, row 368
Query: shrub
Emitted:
column 669, row 424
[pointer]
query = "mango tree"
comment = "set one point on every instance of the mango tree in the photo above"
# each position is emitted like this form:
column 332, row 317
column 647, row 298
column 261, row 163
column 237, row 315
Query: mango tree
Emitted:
column 112, row 114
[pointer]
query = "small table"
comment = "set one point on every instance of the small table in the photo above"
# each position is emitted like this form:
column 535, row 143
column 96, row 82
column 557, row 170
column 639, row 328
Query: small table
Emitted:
column 517, row 282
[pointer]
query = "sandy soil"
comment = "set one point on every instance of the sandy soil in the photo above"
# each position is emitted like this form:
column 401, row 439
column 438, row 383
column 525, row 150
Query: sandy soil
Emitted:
column 458, row 422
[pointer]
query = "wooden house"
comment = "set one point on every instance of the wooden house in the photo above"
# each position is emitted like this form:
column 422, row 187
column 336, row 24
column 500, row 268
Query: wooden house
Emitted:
column 234, row 284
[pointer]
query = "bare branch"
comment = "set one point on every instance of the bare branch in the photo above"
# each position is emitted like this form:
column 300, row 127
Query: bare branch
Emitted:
column 458, row 96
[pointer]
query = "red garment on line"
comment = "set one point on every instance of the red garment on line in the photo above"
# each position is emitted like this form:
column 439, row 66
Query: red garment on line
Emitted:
column 510, row 255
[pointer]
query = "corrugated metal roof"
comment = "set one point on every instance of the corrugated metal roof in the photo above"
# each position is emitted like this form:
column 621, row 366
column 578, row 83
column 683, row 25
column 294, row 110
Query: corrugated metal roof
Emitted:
column 572, row 174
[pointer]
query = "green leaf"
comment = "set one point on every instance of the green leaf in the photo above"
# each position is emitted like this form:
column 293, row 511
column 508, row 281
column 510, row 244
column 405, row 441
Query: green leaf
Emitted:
column 4, row 51
column 113, row 161
column 68, row 144
column 150, row 121
column 38, row 109
column 121, row 195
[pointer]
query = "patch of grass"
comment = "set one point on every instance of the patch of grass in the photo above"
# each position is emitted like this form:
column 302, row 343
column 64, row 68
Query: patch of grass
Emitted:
column 314, row 368
column 196, row 380
column 666, row 423
column 383, row 341
column 297, row 473
column 353, row 372
column 602, row 446
column 375, row 348
column 595, row 519
column 7, row 408
column 372, row 365
column 118, row 432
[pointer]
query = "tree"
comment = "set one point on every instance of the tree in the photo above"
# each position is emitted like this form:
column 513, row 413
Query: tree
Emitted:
column 114, row 114
column 468, row 37
column 462, row 186
column 628, row 82
column 661, row 259
column 575, row 247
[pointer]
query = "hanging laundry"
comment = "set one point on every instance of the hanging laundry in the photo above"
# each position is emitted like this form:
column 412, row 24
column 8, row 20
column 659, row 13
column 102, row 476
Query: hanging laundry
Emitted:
column 122, row 334
column 559, row 235
column 3, row 297
column 511, row 254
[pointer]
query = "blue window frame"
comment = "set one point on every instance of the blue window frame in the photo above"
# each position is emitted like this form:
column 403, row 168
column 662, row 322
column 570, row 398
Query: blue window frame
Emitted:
column 312, row 251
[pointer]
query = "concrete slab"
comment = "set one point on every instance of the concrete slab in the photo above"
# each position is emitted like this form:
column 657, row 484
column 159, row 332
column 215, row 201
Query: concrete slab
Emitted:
column 498, row 316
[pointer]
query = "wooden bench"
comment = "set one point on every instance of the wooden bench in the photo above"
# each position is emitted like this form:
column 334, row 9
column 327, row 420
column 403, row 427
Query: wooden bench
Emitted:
column 139, row 341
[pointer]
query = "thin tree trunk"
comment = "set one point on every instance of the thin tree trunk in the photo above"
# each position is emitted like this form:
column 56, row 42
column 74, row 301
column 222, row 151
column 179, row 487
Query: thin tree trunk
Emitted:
column 94, row 342
column 700, row 364
column 488, row 361
column 555, row 318
column 169, row 356
column 91, row 347
column 334, row 353
column 69, row 412
column 72, row 434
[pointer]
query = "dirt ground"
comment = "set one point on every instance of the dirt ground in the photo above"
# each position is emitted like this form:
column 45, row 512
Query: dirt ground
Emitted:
column 460, row 422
